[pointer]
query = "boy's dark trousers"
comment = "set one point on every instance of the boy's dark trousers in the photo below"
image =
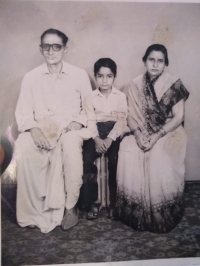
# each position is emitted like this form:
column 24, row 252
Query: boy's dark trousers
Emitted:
column 89, row 189
column 90, row 155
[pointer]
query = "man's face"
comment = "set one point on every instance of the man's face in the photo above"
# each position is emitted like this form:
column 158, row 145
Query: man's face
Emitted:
column 53, row 57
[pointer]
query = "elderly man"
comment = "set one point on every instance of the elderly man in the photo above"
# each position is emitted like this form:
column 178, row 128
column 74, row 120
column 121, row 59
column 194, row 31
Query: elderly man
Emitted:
column 51, row 120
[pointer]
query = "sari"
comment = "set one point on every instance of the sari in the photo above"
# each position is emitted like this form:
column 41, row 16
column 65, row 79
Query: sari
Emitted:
column 151, row 184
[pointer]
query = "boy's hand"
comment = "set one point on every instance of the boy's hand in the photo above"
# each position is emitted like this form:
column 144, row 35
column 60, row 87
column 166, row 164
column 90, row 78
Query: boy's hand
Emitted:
column 108, row 142
column 100, row 145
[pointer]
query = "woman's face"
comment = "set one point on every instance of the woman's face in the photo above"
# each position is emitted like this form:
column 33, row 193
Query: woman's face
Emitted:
column 155, row 63
column 105, row 78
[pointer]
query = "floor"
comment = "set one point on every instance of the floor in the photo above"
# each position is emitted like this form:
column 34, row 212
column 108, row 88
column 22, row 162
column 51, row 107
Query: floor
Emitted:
column 101, row 240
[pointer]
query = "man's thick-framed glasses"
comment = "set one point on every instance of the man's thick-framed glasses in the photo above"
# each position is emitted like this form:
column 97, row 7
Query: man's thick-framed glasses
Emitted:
column 56, row 47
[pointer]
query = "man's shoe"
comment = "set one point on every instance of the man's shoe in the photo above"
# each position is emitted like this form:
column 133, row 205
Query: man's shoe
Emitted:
column 70, row 219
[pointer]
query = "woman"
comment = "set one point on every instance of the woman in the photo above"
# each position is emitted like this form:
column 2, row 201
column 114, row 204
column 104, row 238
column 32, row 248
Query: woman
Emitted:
column 151, row 158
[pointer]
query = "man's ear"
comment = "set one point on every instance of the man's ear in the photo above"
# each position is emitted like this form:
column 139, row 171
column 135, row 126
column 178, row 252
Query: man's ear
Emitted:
column 65, row 49
column 41, row 51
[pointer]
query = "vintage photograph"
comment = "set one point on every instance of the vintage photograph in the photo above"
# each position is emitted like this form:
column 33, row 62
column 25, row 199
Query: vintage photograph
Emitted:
column 100, row 131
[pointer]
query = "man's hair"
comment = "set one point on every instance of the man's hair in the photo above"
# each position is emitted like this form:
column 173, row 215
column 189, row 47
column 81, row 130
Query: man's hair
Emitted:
column 56, row 32
column 156, row 47
column 105, row 62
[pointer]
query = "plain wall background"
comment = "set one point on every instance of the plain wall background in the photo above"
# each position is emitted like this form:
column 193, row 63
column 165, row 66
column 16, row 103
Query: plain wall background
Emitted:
column 121, row 31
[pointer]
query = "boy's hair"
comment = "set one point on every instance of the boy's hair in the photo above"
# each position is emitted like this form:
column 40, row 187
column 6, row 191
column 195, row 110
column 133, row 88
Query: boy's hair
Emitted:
column 105, row 62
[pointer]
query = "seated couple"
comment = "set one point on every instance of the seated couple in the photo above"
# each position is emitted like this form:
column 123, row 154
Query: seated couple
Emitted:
column 58, row 114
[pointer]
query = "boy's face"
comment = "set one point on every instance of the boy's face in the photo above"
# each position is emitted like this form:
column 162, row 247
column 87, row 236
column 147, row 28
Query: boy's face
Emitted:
column 105, row 78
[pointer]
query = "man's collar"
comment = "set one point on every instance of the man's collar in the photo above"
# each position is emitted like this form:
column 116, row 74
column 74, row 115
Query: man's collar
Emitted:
column 65, row 68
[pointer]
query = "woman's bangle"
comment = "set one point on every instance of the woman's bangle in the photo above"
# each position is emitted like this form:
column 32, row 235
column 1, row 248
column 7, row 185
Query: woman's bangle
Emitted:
column 161, row 132
column 135, row 130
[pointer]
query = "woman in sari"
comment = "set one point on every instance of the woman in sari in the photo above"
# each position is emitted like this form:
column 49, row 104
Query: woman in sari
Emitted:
column 151, row 167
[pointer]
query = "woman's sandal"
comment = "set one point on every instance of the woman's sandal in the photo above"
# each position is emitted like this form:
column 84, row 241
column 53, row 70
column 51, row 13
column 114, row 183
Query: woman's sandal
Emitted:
column 31, row 226
column 94, row 212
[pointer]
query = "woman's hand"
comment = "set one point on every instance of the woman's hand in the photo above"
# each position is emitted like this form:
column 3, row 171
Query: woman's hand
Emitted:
column 39, row 139
column 141, row 140
column 152, row 141
column 100, row 145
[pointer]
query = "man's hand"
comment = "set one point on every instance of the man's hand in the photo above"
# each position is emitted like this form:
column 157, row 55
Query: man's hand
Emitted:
column 74, row 126
column 108, row 142
column 100, row 145
column 39, row 139
column 142, row 141
column 152, row 141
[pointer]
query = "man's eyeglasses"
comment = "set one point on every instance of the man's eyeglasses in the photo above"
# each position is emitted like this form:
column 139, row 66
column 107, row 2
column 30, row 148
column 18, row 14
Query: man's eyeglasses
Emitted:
column 46, row 47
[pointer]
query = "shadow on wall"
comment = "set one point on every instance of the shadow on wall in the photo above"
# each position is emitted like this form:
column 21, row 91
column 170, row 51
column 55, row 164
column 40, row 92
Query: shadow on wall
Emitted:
column 8, row 166
column 6, row 152
column 92, row 82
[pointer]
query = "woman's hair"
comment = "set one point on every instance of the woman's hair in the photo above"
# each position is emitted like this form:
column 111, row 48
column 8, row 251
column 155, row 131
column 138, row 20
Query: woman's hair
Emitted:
column 56, row 32
column 156, row 47
column 105, row 62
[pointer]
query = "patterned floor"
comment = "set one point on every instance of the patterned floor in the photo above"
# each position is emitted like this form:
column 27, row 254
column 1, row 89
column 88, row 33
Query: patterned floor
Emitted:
column 98, row 241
